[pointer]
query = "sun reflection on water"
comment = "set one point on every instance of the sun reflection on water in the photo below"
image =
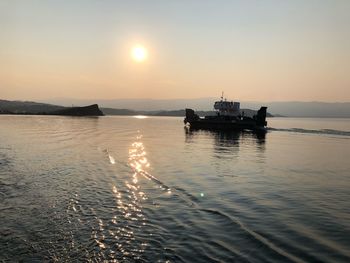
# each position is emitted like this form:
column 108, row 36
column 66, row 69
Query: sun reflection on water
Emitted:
column 140, row 117
column 128, row 203
column 121, row 235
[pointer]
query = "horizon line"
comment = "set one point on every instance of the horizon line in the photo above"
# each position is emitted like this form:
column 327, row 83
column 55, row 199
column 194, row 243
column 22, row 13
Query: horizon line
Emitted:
column 169, row 99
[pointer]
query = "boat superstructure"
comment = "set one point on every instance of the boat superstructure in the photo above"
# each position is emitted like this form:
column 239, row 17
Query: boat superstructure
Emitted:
column 228, row 117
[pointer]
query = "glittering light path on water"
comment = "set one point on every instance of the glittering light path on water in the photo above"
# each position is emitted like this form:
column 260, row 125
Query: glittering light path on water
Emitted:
column 139, row 163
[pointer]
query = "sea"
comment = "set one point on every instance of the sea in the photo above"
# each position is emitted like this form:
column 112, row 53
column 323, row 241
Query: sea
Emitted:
column 147, row 189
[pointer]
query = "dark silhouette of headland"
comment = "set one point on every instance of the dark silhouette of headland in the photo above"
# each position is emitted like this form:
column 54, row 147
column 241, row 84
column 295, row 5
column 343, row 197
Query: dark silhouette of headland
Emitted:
column 91, row 110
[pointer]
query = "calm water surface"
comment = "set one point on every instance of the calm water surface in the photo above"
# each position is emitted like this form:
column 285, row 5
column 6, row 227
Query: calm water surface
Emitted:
column 129, row 189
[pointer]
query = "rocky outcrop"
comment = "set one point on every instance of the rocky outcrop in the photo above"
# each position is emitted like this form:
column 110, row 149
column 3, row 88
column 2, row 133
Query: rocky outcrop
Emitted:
column 91, row 110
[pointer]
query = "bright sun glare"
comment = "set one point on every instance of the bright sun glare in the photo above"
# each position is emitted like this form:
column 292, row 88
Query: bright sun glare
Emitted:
column 139, row 53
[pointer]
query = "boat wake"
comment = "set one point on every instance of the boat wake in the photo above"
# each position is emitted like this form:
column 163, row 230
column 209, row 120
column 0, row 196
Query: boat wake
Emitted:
column 255, row 235
column 310, row 131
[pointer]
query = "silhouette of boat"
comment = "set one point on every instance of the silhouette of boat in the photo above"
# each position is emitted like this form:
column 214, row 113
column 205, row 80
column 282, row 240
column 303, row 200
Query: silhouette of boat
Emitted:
column 228, row 117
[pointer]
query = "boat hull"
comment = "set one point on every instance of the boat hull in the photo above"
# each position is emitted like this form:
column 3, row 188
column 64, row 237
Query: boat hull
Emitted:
column 225, row 125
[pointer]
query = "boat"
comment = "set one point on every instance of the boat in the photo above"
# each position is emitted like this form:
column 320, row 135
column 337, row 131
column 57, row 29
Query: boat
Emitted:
column 228, row 117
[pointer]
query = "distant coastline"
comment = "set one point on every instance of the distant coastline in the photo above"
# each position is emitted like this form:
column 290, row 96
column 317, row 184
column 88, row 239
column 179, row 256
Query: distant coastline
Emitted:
column 130, row 107
column 308, row 109
column 35, row 108
column 169, row 113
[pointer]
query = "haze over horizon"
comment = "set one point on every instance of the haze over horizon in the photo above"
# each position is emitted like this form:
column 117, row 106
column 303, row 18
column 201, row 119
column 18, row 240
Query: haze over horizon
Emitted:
column 251, row 50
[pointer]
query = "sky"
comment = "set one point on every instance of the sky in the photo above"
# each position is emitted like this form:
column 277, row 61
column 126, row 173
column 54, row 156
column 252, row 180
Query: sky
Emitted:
column 294, row 50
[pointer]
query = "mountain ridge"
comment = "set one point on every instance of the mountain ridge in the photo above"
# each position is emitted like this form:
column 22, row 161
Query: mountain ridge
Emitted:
column 30, row 107
column 313, row 109
column 316, row 109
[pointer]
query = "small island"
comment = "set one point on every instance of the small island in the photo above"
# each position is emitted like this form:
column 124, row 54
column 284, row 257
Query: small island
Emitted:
column 91, row 110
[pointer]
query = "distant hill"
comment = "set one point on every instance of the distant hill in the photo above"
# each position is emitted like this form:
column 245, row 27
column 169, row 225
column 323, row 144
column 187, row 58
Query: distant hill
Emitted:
column 141, row 104
column 110, row 111
column 288, row 109
column 25, row 107
column 305, row 109
column 180, row 113
column 171, row 107
column 29, row 107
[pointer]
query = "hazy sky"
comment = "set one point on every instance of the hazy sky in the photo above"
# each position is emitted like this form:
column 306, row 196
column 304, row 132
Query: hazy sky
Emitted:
column 252, row 50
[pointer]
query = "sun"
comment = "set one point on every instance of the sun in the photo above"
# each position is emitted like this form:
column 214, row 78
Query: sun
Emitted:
column 139, row 53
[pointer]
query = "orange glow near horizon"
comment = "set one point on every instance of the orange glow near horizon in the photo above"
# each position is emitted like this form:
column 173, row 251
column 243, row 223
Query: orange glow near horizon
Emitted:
column 126, row 50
